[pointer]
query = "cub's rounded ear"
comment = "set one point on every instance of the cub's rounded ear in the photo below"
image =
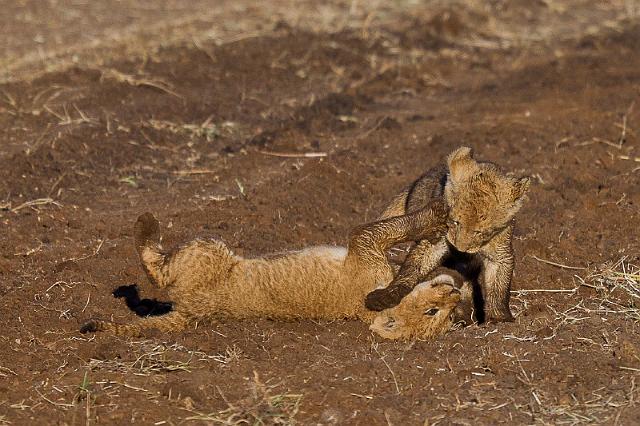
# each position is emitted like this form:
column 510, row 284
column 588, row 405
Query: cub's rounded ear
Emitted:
column 464, row 152
column 520, row 188
column 461, row 164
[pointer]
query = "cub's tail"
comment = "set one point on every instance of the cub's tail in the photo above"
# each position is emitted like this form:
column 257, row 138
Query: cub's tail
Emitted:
column 173, row 321
column 147, row 238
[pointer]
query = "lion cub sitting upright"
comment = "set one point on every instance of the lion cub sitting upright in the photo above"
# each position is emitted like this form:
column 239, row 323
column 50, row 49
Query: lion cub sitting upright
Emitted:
column 483, row 202
column 205, row 279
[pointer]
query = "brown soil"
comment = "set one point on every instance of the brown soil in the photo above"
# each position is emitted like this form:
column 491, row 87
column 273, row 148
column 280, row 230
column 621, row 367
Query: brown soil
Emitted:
column 194, row 133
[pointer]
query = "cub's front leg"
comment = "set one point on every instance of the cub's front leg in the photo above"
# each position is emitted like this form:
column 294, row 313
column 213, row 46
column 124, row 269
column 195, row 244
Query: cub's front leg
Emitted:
column 496, row 276
column 422, row 259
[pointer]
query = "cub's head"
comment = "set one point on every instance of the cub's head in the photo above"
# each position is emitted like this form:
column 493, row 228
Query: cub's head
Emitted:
column 426, row 312
column 481, row 199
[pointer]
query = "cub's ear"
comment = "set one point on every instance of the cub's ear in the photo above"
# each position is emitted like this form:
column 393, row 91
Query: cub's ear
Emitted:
column 519, row 189
column 461, row 164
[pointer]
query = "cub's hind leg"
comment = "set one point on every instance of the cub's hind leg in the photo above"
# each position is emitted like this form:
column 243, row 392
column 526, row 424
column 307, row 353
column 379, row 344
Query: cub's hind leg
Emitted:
column 173, row 321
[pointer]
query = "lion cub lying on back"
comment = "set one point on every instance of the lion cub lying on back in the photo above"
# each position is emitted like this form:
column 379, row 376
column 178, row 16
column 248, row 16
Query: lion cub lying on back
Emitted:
column 205, row 279
column 483, row 202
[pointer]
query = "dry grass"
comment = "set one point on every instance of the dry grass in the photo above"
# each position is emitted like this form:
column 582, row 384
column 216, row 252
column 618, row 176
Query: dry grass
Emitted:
column 602, row 406
column 65, row 117
column 616, row 293
column 152, row 357
column 261, row 407
column 488, row 25
column 33, row 203
column 207, row 129
column 618, row 287
column 112, row 74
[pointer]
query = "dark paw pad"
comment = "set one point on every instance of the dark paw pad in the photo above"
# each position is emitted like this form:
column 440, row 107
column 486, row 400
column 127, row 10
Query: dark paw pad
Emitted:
column 152, row 307
column 385, row 298
column 126, row 291
column 502, row 317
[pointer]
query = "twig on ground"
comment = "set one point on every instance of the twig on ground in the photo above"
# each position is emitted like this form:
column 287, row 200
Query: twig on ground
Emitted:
column 36, row 202
column 373, row 129
column 361, row 396
column 94, row 253
column 627, row 157
column 546, row 290
column 559, row 265
column 600, row 140
column 8, row 370
column 140, row 82
column 393, row 375
column 623, row 132
column 193, row 172
column 294, row 154
column 57, row 404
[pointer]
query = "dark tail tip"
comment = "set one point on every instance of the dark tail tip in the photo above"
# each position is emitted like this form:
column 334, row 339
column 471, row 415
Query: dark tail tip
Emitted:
column 90, row 326
column 146, row 229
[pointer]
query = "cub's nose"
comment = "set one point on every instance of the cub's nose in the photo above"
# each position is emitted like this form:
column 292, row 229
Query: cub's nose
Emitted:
column 460, row 245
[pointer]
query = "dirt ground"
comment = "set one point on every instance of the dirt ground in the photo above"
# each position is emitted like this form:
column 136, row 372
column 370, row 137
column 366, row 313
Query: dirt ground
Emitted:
column 205, row 115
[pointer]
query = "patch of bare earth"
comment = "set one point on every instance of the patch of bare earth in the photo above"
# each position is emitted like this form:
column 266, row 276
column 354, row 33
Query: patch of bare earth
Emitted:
column 274, row 127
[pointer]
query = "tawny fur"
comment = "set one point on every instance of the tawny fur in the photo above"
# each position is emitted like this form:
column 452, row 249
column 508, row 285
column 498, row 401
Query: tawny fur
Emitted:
column 391, row 322
column 205, row 279
column 482, row 204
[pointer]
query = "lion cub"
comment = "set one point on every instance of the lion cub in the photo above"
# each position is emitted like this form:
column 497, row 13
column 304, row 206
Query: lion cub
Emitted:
column 483, row 202
column 205, row 279
column 390, row 323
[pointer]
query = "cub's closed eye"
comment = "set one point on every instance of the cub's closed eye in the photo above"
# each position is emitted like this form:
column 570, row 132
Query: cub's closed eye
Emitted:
column 431, row 312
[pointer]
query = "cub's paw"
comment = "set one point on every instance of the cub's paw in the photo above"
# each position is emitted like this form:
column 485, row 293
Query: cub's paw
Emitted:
column 497, row 317
column 439, row 213
column 385, row 298
column 438, row 209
